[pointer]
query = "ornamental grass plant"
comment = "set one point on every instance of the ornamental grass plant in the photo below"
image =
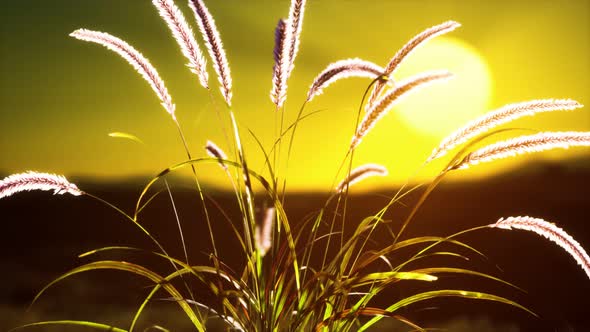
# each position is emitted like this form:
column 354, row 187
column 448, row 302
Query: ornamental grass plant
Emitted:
column 323, row 273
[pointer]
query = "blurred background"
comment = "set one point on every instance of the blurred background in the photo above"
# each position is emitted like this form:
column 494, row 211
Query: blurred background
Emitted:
column 60, row 98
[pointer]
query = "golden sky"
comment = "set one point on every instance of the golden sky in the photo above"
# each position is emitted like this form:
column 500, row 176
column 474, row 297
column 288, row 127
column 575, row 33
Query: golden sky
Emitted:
column 59, row 97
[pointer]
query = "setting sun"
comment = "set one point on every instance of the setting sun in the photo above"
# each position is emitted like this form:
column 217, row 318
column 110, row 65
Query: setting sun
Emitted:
column 445, row 107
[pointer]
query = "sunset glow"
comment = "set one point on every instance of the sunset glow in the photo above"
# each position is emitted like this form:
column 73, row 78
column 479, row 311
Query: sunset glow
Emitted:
column 58, row 109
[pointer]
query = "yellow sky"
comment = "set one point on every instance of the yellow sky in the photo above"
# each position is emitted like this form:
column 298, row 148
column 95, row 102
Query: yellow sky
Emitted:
column 61, row 97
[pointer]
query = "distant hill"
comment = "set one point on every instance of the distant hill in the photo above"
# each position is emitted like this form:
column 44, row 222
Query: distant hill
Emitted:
column 42, row 234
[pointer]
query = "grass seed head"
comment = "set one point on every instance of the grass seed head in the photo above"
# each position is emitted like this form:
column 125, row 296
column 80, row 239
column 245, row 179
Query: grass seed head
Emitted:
column 185, row 38
column 215, row 152
column 360, row 173
column 278, row 92
column 214, row 45
column 264, row 231
column 381, row 107
column 498, row 117
column 133, row 57
column 343, row 69
column 551, row 232
column 525, row 144
column 37, row 181
column 408, row 48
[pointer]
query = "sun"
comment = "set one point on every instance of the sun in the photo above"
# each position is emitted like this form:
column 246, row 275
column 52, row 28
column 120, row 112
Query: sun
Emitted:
column 445, row 107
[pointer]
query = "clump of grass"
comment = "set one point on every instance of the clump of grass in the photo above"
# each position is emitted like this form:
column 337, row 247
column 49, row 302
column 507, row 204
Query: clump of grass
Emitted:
column 283, row 286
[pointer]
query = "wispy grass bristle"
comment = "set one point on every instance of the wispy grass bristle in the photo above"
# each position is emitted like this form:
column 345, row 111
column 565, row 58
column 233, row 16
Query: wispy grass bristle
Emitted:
column 135, row 58
column 214, row 45
column 185, row 38
column 343, row 69
column 401, row 89
column 360, row 173
column 278, row 91
column 410, row 46
column 498, row 117
column 215, row 152
column 31, row 180
column 525, row 144
column 551, row 232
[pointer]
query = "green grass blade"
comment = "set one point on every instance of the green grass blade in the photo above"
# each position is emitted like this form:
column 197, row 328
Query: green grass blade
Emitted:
column 148, row 201
column 437, row 270
column 138, row 270
column 444, row 293
column 391, row 275
column 196, row 270
column 93, row 325
column 126, row 136
column 266, row 158
column 405, row 243
column 99, row 250
column 247, row 183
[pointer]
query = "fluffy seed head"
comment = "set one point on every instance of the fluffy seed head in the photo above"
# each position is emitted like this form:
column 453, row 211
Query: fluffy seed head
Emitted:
column 360, row 173
column 215, row 152
column 525, row 144
column 279, row 39
column 498, row 117
column 382, row 106
column 185, row 38
column 551, row 232
column 278, row 92
column 136, row 59
column 214, row 47
column 343, row 69
column 264, row 232
column 408, row 48
column 290, row 47
column 294, row 28
column 37, row 181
